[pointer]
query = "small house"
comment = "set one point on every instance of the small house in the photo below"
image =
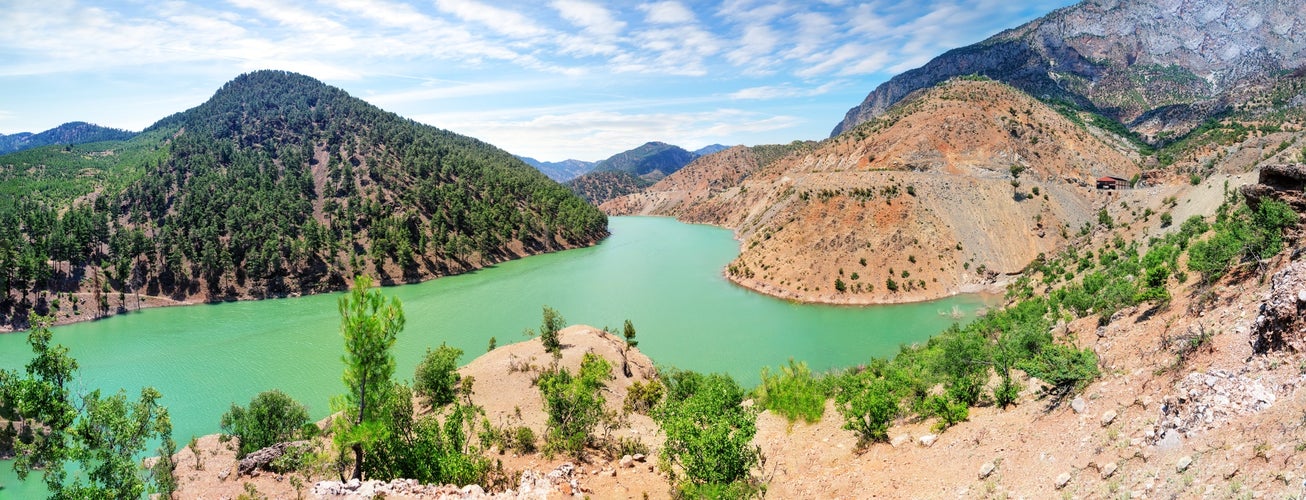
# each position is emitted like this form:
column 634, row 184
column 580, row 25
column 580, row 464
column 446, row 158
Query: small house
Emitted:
column 1112, row 183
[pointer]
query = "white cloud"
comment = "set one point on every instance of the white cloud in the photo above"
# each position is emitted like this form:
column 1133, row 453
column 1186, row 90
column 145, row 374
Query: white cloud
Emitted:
column 591, row 17
column 288, row 15
column 594, row 135
column 504, row 21
column 667, row 13
column 768, row 92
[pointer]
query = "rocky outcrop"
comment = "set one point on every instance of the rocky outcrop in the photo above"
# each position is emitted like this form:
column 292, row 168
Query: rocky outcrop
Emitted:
column 1154, row 64
column 532, row 485
column 1284, row 182
column 261, row 459
column 1281, row 323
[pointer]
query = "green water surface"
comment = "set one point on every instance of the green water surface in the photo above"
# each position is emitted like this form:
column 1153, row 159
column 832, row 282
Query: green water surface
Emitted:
column 663, row 275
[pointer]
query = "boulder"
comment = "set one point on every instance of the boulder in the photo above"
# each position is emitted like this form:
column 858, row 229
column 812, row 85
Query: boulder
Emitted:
column 259, row 460
column 1108, row 417
column 1109, row 470
column 1063, row 480
column 986, row 470
column 1078, row 404
column 928, row 440
column 1183, row 463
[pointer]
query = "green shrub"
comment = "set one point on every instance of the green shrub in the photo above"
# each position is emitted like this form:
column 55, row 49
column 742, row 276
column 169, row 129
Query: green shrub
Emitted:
column 869, row 403
column 272, row 417
column 436, row 377
column 792, row 392
column 642, row 397
column 709, row 433
column 574, row 404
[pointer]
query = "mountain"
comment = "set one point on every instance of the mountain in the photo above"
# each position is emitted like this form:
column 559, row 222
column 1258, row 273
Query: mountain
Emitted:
column 598, row 187
column 1160, row 67
column 951, row 189
column 561, row 171
column 707, row 150
column 68, row 133
column 630, row 171
column 276, row 185
column 652, row 161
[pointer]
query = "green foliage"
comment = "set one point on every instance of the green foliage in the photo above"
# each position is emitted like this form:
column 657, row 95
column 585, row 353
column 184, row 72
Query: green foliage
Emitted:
column 574, row 404
column 709, row 433
column 103, row 435
column 869, row 400
column 370, row 327
column 642, row 397
column 1241, row 234
column 1066, row 368
column 793, row 392
column 428, row 449
column 276, row 177
column 550, row 324
column 436, row 377
column 272, row 417
column 628, row 331
column 840, row 286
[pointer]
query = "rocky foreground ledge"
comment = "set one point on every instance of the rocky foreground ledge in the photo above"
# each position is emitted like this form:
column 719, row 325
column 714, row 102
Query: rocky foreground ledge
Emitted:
column 533, row 485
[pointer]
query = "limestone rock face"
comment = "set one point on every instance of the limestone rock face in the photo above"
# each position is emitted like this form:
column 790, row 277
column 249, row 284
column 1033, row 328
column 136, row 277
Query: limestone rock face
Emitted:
column 1154, row 64
column 1280, row 324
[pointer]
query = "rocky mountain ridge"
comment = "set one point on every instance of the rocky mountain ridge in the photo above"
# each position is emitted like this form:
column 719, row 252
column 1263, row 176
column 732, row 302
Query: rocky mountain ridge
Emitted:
column 1159, row 66
column 952, row 189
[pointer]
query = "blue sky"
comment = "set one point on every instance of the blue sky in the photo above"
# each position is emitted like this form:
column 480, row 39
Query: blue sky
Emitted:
column 551, row 79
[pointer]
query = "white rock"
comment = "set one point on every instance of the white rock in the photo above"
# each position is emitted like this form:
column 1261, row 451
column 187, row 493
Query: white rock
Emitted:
column 1077, row 404
column 1109, row 470
column 986, row 470
column 1063, row 480
column 1108, row 417
column 1183, row 463
column 928, row 440
column 900, row 440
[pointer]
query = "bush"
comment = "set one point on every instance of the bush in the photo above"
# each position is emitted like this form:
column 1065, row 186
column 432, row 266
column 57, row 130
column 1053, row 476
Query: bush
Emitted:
column 272, row 417
column 792, row 392
column 868, row 403
column 551, row 322
column 709, row 433
column 642, row 397
column 574, row 404
column 427, row 449
column 437, row 376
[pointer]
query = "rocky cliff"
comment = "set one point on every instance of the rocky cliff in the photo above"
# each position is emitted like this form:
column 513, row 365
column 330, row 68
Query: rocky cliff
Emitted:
column 948, row 191
column 1159, row 66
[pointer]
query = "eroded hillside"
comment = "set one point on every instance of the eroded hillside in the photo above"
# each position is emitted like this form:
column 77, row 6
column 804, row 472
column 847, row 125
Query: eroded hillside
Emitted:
column 949, row 191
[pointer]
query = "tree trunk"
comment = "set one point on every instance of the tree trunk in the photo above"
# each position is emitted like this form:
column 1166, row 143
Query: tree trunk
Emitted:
column 358, row 462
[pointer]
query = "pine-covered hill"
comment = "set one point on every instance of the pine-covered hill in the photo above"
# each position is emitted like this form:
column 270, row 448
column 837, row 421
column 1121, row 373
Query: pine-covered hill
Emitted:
column 68, row 133
column 279, row 184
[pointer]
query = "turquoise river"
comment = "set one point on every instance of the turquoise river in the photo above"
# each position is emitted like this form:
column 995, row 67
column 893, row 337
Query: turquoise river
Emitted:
column 663, row 275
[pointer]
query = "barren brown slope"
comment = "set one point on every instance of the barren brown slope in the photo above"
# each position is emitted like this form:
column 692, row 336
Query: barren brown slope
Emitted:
column 922, row 196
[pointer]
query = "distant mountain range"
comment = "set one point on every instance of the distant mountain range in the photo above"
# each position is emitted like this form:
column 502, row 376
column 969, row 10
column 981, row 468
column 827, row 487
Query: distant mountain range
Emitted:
column 68, row 133
column 561, row 171
column 1160, row 68
column 648, row 157
column 630, row 171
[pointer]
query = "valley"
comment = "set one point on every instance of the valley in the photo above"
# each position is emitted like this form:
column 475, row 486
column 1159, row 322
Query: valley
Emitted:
column 1062, row 261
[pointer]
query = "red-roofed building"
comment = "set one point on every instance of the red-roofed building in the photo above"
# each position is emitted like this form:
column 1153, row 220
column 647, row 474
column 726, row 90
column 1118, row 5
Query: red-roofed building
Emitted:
column 1112, row 183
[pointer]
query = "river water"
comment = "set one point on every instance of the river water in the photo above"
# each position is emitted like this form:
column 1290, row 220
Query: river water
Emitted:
column 663, row 275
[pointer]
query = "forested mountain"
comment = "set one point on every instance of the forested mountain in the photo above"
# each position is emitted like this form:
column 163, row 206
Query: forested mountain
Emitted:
column 277, row 185
column 561, row 171
column 598, row 187
column 630, row 171
column 68, row 133
column 1161, row 68
column 709, row 149
column 653, row 161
